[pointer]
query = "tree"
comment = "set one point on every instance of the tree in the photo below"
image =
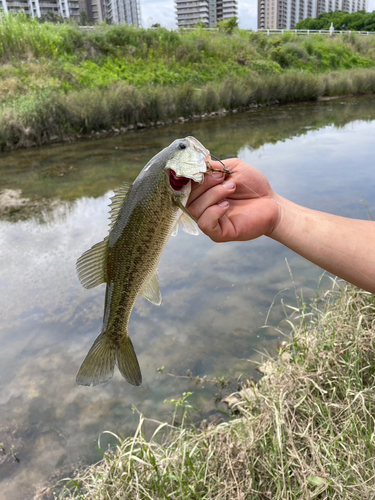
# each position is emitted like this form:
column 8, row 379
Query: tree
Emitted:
column 228, row 25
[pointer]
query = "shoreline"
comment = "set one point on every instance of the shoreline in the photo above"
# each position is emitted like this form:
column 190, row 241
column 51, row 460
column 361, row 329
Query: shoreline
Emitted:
column 289, row 433
column 122, row 130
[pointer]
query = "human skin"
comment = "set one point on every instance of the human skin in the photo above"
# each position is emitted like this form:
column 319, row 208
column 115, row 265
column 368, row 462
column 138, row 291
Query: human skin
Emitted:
column 242, row 206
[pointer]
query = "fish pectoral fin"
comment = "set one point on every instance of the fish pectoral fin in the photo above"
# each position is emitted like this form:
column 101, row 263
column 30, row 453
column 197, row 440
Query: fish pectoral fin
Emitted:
column 188, row 225
column 92, row 265
column 178, row 204
column 127, row 361
column 151, row 290
column 99, row 364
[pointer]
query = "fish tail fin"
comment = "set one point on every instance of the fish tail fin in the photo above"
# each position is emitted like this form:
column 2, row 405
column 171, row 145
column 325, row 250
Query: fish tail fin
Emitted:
column 99, row 363
column 127, row 361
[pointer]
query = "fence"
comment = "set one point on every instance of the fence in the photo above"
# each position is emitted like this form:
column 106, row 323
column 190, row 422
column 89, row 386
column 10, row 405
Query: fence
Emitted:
column 331, row 32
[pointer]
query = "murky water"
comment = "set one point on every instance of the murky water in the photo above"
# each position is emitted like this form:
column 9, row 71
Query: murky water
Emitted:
column 215, row 297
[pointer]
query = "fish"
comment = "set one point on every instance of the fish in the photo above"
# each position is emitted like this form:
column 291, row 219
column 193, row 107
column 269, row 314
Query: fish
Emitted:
column 142, row 219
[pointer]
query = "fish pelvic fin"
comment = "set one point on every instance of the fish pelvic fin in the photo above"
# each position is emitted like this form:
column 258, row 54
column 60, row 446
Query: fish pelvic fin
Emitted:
column 178, row 204
column 127, row 361
column 98, row 366
column 99, row 363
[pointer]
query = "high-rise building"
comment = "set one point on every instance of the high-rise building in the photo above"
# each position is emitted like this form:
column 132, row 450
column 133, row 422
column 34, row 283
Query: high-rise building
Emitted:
column 115, row 11
column 208, row 12
column 285, row 14
column 123, row 11
column 40, row 8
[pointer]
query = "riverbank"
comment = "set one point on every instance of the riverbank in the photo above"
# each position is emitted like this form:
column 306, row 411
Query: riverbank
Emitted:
column 305, row 430
column 59, row 83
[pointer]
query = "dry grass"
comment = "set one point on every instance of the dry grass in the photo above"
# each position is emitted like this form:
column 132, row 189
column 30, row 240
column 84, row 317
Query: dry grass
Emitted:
column 305, row 431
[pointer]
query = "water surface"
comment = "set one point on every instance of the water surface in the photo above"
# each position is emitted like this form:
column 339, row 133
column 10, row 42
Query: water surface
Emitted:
column 215, row 297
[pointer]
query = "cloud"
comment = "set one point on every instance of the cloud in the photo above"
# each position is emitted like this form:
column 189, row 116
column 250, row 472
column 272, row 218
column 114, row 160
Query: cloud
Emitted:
column 161, row 11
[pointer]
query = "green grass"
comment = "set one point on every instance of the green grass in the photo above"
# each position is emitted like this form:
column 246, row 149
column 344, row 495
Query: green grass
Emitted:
column 306, row 430
column 47, row 70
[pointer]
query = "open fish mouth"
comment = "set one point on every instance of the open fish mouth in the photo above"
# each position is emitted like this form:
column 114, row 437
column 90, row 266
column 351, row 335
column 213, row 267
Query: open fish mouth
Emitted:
column 176, row 182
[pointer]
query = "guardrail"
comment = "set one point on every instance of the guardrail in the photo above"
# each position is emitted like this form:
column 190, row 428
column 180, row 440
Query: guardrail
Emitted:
column 330, row 32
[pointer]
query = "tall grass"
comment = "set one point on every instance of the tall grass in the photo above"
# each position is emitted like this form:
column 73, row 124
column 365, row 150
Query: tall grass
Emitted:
column 58, row 81
column 42, row 116
column 305, row 431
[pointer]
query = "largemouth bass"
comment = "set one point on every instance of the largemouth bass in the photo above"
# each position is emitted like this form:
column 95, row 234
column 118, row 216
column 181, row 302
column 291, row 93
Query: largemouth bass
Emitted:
column 142, row 218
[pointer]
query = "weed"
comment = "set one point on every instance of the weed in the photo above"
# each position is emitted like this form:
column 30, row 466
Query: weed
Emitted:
column 306, row 430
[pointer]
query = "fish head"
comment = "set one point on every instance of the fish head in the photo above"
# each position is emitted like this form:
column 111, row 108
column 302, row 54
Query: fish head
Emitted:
column 187, row 160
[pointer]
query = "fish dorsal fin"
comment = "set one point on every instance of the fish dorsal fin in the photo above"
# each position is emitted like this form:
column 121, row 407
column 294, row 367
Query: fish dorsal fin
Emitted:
column 117, row 202
column 151, row 290
column 92, row 265
column 188, row 225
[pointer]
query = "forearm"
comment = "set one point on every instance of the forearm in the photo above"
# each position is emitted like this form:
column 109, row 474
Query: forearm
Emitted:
column 344, row 247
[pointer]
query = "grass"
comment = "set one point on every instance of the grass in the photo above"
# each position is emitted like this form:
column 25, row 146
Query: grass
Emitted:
column 57, row 81
column 305, row 431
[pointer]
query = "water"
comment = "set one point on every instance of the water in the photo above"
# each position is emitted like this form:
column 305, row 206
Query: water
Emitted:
column 215, row 297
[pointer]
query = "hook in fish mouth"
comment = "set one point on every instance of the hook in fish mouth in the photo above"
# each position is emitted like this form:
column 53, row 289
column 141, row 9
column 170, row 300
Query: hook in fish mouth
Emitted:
column 223, row 171
column 176, row 182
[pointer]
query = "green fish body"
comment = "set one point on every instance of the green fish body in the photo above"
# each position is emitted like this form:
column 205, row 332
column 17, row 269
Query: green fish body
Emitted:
column 143, row 217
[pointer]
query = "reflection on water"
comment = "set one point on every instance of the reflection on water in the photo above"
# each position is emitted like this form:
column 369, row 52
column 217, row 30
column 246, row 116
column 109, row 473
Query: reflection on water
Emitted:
column 215, row 297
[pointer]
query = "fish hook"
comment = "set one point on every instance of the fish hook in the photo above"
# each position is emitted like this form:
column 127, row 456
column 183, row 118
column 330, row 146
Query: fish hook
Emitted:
column 223, row 171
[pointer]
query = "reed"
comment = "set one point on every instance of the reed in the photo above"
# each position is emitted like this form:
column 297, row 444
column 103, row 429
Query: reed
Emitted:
column 37, row 117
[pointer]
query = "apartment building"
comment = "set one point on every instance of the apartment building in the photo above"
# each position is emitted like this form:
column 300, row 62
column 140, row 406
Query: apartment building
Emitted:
column 122, row 11
column 39, row 8
column 285, row 14
column 115, row 11
column 208, row 12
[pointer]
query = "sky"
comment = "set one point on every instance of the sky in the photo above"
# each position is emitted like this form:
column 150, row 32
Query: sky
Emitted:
column 163, row 12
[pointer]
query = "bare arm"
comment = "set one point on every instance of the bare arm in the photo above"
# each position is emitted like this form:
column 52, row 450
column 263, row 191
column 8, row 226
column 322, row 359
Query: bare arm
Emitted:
column 243, row 206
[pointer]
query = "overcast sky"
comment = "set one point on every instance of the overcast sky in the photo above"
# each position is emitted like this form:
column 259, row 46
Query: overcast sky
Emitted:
column 163, row 12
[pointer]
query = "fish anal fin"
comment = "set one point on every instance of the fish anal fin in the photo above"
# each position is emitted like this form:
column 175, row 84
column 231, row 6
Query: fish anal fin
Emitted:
column 127, row 361
column 151, row 290
column 92, row 265
column 98, row 365
column 188, row 225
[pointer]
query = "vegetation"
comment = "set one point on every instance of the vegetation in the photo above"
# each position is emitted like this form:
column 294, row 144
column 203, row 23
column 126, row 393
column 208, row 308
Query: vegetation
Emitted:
column 358, row 21
column 58, row 80
column 306, row 430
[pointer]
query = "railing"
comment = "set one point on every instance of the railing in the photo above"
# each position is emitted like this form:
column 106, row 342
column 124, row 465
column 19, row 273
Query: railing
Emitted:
column 270, row 32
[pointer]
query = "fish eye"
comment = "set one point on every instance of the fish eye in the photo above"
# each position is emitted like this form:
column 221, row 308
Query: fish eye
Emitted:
column 182, row 145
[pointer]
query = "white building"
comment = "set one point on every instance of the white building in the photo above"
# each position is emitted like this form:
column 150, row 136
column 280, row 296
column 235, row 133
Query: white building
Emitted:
column 208, row 12
column 39, row 8
column 285, row 14
column 122, row 11
column 115, row 11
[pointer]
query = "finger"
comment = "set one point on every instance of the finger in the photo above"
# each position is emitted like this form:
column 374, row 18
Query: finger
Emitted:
column 211, row 197
column 211, row 221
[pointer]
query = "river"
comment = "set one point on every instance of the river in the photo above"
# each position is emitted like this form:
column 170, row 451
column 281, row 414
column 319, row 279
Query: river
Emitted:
column 216, row 298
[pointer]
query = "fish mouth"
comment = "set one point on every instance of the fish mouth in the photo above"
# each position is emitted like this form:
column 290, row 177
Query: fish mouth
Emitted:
column 176, row 182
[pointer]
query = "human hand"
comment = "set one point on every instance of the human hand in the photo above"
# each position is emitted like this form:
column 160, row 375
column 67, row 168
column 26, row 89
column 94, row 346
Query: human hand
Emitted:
column 234, row 207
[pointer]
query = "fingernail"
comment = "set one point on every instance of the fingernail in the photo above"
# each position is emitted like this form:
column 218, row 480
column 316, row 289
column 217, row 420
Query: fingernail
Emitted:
column 224, row 204
column 229, row 185
column 217, row 175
